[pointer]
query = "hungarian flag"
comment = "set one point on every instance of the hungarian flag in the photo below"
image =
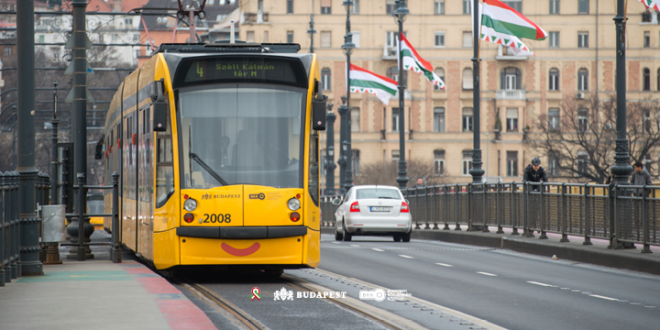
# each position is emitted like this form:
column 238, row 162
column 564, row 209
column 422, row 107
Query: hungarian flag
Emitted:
column 412, row 61
column 655, row 4
column 365, row 81
column 503, row 25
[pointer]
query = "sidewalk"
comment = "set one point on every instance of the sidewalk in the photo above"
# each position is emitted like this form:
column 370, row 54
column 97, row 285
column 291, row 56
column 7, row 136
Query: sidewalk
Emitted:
column 597, row 254
column 97, row 294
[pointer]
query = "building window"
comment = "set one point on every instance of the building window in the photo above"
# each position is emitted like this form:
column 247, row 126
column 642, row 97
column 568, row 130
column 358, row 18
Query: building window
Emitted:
column 356, row 38
column 438, row 162
column 440, row 72
column 553, row 39
column 326, row 6
column 8, row 53
column 582, row 163
column 467, row 39
column 439, row 39
column 647, row 163
column 467, row 79
column 467, row 9
column 647, row 121
column 467, row 119
column 393, row 73
column 326, row 38
column 389, row 7
column 355, row 119
column 647, row 79
column 583, row 6
column 356, row 7
column 583, row 80
column 583, row 39
column 395, row 119
column 439, row 7
column 583, row 120
column 553, row 166
column 326, row 79
column 266, row 37
column 42, row 39
column 128, row 22
column 554, row 7
column 554, row 79
column 161, row 19
column 395, row 156
column 355, row 158
column 512, row 120
column 553, row 119
column 289, row 6
column 515, row 4
column 511, row 163
column 467, row 162
column 439, row 120
column 250, row 37
column 510, row 79
column 647, row 39
column 289, row 37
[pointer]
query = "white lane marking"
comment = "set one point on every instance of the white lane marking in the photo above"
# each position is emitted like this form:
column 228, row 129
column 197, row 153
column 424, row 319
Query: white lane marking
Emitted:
column 487, row 274
column 541, row 284
column 354, row 245
column 603, row 297
column 379, row 250
column 405, row 256
column 336, row 242
column 445, row 265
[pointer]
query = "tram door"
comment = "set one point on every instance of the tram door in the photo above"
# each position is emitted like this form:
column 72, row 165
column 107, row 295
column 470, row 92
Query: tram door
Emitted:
column 129, row 228
column 145, row 183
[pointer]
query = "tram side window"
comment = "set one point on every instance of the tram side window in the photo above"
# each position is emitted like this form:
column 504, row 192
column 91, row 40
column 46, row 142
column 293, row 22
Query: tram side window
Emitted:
column 314, row 167
column 164, row 165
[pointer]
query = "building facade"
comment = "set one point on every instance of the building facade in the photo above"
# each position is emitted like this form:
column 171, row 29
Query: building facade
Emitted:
column 576, row 61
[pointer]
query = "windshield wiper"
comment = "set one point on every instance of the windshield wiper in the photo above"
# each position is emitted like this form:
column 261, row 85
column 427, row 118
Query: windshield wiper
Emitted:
column 208, row 168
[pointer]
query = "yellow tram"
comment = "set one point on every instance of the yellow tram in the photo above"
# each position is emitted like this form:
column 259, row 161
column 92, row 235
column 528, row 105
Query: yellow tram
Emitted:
column 217, row 150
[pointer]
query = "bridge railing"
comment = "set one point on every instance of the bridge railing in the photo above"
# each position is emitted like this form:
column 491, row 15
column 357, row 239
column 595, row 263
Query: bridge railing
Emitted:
column 632, row 214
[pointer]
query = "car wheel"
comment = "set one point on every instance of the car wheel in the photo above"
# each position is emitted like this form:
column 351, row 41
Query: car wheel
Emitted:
column 347, row 235
column 406, row 237
column 397, row 237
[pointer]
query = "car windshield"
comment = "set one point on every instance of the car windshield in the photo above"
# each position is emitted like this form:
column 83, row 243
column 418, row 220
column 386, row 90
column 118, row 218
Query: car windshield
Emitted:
column 241, row 134
column 377, row 193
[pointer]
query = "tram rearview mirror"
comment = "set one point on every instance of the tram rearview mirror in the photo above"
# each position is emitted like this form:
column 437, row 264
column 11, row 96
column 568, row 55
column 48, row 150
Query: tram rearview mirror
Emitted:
column 319, row 112
column 160, row 116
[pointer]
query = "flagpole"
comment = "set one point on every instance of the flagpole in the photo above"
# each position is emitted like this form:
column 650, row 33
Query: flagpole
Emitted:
column 476, row 171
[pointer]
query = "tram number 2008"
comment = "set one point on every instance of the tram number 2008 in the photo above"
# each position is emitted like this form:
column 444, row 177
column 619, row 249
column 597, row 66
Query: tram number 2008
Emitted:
column 217, row 218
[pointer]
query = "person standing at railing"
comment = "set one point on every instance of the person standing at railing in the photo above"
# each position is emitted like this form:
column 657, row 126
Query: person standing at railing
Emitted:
column 640, row 177
column 534, row 172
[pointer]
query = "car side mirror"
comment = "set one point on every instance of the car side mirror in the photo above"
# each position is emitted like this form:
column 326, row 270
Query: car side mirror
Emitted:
column 160, row 116
column 336, row 201
column 318, row 108
column 407, row 201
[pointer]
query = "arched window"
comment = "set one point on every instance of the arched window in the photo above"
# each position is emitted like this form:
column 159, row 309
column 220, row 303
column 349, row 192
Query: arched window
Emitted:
column 583, row 80
column 467, row 78
column 510, row 78
column 440, row 72
column 647, row 79
column 326, row 79
column 554, row 80
column 393, row 73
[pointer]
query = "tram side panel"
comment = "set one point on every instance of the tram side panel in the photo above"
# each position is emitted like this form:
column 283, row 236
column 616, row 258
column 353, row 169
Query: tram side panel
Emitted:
column 112, row 153
column 129, row 175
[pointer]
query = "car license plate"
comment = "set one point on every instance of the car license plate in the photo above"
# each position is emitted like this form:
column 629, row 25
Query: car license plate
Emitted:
column 381, row 208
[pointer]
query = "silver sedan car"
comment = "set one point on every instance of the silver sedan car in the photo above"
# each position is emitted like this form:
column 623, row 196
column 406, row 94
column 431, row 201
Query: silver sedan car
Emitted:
column 373, row 210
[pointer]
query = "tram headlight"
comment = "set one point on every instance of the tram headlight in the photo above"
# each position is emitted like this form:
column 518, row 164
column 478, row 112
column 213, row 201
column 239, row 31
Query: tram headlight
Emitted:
column 293, row 204
column 190, row 204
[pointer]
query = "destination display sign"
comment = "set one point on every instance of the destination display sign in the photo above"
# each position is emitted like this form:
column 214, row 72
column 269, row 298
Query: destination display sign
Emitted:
column 242, row 69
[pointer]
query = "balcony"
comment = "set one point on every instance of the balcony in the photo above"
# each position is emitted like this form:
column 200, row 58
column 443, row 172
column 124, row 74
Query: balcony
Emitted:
column 505, row 53
column 510, row 95
column 258, row 18
column 389, row 52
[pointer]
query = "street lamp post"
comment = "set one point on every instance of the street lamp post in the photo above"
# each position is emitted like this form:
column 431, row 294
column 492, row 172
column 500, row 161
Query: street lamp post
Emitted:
column 311, row 30
column 399, row 13
column 347, row 47
column 476, row 171
column 330, row 153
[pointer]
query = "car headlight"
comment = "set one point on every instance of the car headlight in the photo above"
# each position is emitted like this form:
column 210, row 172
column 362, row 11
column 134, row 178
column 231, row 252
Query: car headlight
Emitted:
column 190, row 204
column 293, row 204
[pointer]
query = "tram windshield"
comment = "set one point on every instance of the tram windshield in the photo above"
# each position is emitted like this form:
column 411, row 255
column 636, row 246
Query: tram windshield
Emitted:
column 241, row 134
